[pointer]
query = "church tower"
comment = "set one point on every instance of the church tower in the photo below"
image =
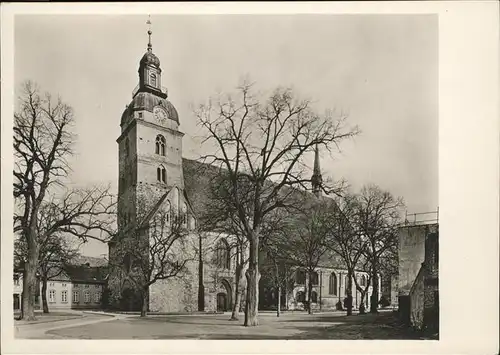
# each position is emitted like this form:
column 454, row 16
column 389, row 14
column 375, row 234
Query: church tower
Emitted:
column 150, row 143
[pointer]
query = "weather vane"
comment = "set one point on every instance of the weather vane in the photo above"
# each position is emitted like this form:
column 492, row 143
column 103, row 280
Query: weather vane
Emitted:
column 148, row 22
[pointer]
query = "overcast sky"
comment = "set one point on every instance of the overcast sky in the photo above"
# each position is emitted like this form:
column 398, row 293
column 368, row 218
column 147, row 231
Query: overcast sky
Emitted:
column 382, row 69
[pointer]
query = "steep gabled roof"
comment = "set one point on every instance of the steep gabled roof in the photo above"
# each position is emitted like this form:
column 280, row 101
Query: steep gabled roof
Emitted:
column 83, row 273
column 199, row 177
column 90, row 260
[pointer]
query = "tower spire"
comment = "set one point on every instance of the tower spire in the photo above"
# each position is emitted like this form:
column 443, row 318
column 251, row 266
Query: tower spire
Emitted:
column 148, row 22
column 316, row 179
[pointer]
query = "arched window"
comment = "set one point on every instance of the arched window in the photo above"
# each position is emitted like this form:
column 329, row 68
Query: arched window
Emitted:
column 152, row 79
column 332, row 287
column 168, row 211
column 223, row 254
column 301, row 296
column 160, row 145
column 363, row 280
column 161, row 174
column 314, row 297
column 184, row 214
column 314, row 278
column 300, row 277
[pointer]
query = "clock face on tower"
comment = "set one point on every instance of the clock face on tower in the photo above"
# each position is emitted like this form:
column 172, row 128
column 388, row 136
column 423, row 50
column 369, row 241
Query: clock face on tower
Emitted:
column 160, row 114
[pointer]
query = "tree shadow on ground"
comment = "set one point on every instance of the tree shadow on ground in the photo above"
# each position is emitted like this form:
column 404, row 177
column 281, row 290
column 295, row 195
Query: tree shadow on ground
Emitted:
column 359, row 327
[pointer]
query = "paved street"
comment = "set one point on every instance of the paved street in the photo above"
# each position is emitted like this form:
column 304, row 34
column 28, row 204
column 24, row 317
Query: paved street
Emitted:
column 333, row 325
column 40, row 328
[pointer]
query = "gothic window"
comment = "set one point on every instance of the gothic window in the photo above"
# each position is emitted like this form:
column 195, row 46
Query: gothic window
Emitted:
column 314, row 297
column 167, row 212
column 332, row 287
column 301, row 296
column 161, row 174
column 314, row 278
column 300, row 277
column 152, row 79
column 160, row 145
column 363, row 280
column 184, row 214
column 223, row 254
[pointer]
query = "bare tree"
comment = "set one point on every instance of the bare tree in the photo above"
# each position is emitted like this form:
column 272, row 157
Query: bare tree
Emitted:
column 267, row 141
column 54, row 255
column 378, row 215
column 42, row 143
column 363, row 286
column 304, row 240
column 344, row 240
column 157, row 248
column 78, row 215
column 276, row 266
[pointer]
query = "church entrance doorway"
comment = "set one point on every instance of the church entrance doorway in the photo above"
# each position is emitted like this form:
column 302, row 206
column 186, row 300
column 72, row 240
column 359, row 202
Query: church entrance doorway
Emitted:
column 224, row 302
column 221, row 302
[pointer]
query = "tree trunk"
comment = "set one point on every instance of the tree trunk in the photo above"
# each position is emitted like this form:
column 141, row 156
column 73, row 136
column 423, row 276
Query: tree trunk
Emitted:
column 237, row 293
column 362, row 304
column 44, row 295
column 242, row 300
column 201, row 286
column 278, row 310
column 145, row 302
column 374, row 297
column 309, row 294
column 349, row 293
column 252, row 288
column 30, row 282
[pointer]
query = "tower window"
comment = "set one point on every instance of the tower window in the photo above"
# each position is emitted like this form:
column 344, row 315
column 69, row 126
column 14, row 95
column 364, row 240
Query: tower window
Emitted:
column 152, row 79
column 161, row 174
column 160, row 145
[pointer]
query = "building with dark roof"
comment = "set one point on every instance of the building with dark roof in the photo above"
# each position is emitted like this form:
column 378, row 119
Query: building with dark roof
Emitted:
column 154, row 178
column 75, row 286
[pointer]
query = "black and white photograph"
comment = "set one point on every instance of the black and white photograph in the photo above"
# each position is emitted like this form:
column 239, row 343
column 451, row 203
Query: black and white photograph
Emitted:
column 235, row 176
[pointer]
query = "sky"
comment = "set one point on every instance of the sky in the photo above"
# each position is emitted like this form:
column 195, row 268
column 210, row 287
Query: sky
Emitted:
column 380, row 69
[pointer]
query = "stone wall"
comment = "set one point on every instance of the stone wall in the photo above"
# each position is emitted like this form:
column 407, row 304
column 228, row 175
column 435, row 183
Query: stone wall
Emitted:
column 417, row 301
column 411, row 254
column 431, row 284
column 420, row 306
column 179, row 294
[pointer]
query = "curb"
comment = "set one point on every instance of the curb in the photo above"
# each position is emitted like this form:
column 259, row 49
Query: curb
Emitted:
column 47, row 321
column 101, row 313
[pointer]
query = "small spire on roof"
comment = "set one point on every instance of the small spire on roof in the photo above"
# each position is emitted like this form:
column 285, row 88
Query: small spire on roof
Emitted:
column 316, row 179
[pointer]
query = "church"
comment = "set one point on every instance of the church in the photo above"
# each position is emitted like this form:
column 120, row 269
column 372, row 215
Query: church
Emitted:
column 153, row 172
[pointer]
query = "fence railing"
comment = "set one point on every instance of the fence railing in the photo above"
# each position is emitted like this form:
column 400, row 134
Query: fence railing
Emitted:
column 422, row 218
